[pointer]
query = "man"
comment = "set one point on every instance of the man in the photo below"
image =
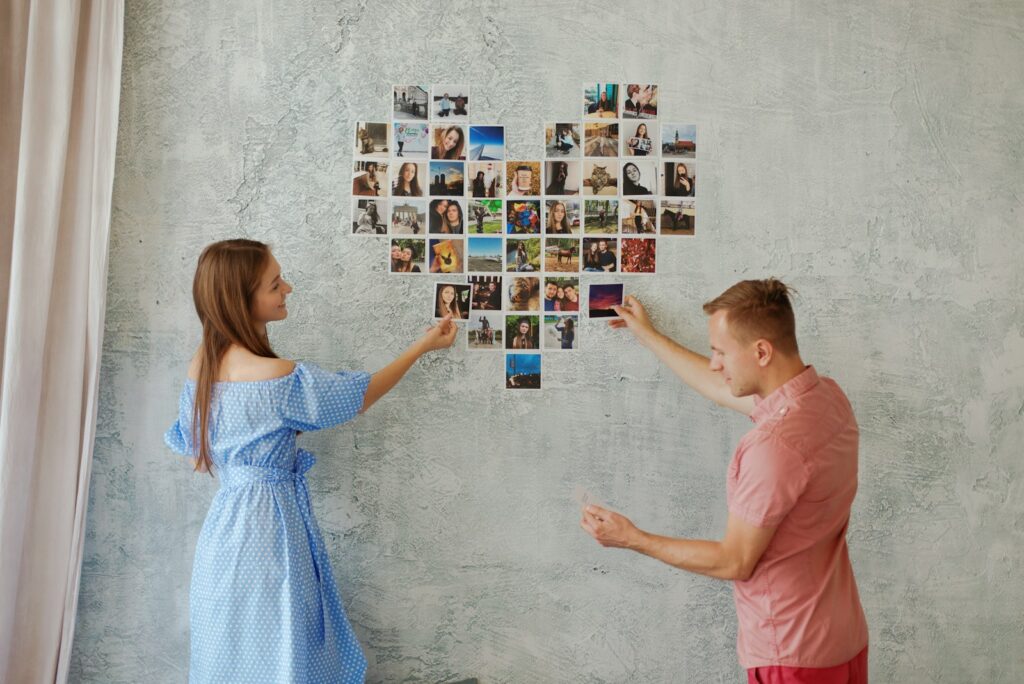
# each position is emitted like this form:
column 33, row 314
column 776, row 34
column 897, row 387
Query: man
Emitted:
column 605, row 257
column 522, row 183
column 550, row 290
column 572, row 299
column 445, row 105
column 789, row 490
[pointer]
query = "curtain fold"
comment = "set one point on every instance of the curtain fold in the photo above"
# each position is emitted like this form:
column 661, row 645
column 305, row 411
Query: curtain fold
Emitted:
column 56, row 234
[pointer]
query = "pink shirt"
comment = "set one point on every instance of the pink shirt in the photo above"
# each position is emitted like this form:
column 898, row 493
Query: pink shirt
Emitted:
column 797, row 469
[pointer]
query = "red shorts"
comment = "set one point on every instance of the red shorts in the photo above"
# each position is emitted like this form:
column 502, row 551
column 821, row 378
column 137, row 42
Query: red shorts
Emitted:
column 853, row 672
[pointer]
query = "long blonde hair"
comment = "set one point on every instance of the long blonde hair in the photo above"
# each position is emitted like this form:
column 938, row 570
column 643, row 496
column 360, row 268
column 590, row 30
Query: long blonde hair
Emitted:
column 227, row 277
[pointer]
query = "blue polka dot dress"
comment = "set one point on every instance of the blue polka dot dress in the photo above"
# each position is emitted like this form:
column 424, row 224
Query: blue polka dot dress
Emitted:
column 264, row 604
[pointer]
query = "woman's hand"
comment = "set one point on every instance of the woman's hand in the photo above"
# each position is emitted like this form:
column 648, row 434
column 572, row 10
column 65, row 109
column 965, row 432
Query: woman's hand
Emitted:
column 439, row 336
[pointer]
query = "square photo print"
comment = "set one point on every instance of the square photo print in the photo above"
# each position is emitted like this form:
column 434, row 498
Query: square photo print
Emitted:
column 678, row 217
column 485, row 179
column 522, row 254
column 408, row 217
column 679, row 140
column 412, row 140
column 447, row 178
column 446, row 256
column 486, row 216
column 372, row 139
column 408, row 255
column 370, row 178
column 410, row 103
column 522, row 293
column 486, row 293
column 602, row 298
column 679, row 179
column 601, row 101
column 600, row 139
column 522, row 217
column 451, row 299
column 639, row 138
column 638, row 216
column 600, row 216
column 639, row 255
column 561, row 217
column 562, row 293
column 448, row 142
column 562, row 140
column 560, row 332
column 523, row 371
column 486, row 143
column 562, row 254
column 369, row 216
column 562, row 178
column 522, row 331
column 485, row 332
column 600, row 255
column 449, row 103
column 639, row 101
column 485, row 254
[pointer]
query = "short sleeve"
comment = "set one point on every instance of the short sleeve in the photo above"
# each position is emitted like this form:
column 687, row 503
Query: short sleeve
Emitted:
column 315, row 399
column 768, row 480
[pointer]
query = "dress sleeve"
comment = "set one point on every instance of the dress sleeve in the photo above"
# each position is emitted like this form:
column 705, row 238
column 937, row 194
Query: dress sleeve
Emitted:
column 179, row 436
column 316, row 399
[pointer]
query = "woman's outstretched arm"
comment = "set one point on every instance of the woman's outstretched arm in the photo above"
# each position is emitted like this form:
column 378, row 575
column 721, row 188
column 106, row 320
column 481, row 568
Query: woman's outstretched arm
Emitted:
column 440, row 336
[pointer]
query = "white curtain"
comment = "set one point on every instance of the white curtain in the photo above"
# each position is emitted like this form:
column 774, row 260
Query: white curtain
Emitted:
column 59, row 93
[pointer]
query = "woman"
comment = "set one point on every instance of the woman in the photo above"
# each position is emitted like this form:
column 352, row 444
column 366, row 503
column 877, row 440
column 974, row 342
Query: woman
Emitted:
column 263, row 599
column 408, row 183
column 681, row 184
column 631, row 182
column 396, row 256
column 451, row 144
column 368, row 220
column 447, row 305
column 451, row 221
column 558, row 220
column 639, row 218
column 479, row 186
column 640, row 144
column 564, row 141
column 522, row 340
column 566, row 328
column 522, row 258
column 592, row 258
column 367, row 184
column 405, row 264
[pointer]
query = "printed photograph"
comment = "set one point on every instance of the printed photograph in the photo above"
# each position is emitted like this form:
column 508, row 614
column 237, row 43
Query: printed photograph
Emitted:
column 640, row 177
column 602, row 298
column 561, row 293
column 639, row 255
column 562, row 255
column 562, row 217
column 409, row 217
column 678, row 217
column 562, row 178
column 600, row 255
column 449, row 143
column 410, row 103
column 408, row 181
column 447, row 178
column 522, row 217
column 485, row 254
column 408, row 255
column 679, row 140
column 639, row 101
column 522, row 254
column 522, row 332
column 485, row 216
column 449, row 102
column 639, row 138
column 412, row 140
column 601, row 177
column 451, row 299
column 601, row 101
column 369, row 217
column 485, row 332
column 560, row 332
column 372, row 139
column 522, row 293
column 447, row 216
column 485, row 179
column 599, row 216
column 680, row 179
column 522, row 179
column 370, row 178
column 446, row 256
column 638, row 216
column 486, row 143
column 522, row 371
column 600, row 139
column 487, row 295
column 562, row 140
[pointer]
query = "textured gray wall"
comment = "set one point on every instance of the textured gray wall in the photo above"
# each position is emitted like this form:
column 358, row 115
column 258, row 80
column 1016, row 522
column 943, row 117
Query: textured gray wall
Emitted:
column 868, row 153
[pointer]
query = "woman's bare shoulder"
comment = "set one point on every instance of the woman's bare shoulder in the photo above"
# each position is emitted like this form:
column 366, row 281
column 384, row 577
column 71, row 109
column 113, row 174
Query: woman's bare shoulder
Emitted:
column 240, row 365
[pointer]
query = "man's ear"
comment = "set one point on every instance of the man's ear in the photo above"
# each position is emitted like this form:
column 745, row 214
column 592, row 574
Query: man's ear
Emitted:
column 765, row 351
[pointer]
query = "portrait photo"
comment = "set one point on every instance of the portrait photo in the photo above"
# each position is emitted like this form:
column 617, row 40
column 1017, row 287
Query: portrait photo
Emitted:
column 410, row 103
column 638, row 255
column 372, row 139
column 522, row 217
column 600, row 139
column 451, row 299
column 677, row 217
column 639, row 177
column 637, row 216
column 485, row 216
column 561, row 293
column 409, row 217
column 447, row 178
column 485, row 179
column 486, row 143
column 639, row 138
column 562, row 178
column 446, row 256
column 411, row 140
column 522, row 179
column 562, row 255
column 600, row 216
column 679, row 179
column 639, row 101
column 369, row 216
column 522, row 254
column 561, row 217
column 407, row 255
column 601, row 101
column 601, row 177
column 448, row 142
column 562, row 140
column 679, row 140
column 408, row 180
column 561, row 332
column 447, row 216
column 370, row 178
column 522, row 331
column 449, row 103
column 523, row 371
column 485, row 254
column 600, row 255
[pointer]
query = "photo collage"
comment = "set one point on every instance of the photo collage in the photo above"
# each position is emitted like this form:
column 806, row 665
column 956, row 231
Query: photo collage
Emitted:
column 511, row 238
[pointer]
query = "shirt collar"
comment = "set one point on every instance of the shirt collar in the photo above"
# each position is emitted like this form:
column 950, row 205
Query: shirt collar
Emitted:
column 778, row 401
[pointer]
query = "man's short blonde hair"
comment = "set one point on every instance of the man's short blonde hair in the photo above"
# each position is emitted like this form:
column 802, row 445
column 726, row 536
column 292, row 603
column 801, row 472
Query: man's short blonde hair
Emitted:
column 759, row 309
